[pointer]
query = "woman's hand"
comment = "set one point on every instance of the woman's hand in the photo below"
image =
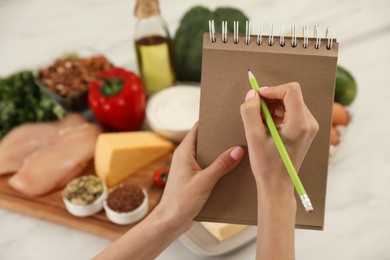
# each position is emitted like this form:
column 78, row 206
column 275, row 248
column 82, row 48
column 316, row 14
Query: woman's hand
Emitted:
column 189, row 186
column 185, row 193
column 295, row 123
column 275, row 190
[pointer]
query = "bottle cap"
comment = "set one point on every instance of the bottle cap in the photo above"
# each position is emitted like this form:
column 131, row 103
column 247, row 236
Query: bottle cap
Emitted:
column 146, row 8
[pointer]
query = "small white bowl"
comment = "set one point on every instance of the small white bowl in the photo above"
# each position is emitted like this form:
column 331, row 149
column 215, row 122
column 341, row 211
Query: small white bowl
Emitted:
column 124, row 218
column 86, row 210
column 173, row 111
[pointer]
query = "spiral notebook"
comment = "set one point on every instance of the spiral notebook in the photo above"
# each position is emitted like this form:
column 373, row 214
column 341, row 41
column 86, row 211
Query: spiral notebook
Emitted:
column 274, row 60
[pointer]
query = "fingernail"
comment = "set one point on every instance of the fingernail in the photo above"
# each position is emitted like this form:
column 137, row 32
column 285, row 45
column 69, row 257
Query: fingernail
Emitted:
column 263, row 89
column 250, row 94
column 237, row 153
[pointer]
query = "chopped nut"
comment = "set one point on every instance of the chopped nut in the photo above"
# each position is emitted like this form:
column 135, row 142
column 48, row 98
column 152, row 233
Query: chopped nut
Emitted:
column 73, row 74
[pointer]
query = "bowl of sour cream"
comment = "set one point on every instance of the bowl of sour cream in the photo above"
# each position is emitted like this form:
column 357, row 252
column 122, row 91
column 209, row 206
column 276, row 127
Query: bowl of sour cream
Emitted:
column 173, row 111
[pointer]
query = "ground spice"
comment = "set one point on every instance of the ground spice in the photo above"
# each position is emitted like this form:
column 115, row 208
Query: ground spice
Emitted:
column 125, row 198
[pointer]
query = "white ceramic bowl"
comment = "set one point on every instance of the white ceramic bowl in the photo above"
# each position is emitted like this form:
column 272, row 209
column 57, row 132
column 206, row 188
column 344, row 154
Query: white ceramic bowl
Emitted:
column 86, row 210
column 124, row 218
column 173, row 111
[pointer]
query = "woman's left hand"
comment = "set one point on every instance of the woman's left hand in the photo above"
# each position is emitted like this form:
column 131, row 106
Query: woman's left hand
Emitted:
column 188, row 186
column 185, row 193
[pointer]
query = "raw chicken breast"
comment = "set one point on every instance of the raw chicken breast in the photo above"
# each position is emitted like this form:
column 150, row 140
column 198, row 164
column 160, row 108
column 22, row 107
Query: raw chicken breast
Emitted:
column 56, row 164
column 29, row 137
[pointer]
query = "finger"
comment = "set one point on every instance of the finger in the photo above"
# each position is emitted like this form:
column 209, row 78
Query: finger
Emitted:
column 251, row 115
column 188, row 145
column 291, row 95
column 226, row 162
column 276, row 109
column 255, row 130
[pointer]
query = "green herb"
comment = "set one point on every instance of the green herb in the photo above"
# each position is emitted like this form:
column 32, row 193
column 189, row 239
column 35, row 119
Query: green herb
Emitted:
column 21, row 101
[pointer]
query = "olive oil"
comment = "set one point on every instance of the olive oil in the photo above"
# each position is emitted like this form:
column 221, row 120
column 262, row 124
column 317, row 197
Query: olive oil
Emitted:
column 153, row 47
column 155, row 62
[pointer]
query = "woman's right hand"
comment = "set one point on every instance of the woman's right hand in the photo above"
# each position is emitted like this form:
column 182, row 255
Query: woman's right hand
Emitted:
column 296, row 125
column 275, row 190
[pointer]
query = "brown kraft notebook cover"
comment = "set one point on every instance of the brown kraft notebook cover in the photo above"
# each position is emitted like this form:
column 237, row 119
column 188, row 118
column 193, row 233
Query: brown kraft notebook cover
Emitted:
column 224, row 83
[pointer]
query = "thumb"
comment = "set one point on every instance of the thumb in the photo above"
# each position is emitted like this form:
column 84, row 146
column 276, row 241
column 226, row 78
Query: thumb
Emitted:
column 226, row 162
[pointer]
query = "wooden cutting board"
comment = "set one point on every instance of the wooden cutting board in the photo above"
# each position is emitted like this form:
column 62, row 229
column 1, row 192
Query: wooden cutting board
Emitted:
column 51, row 207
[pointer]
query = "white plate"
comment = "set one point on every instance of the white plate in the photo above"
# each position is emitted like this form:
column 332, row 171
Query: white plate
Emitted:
column 201, row 242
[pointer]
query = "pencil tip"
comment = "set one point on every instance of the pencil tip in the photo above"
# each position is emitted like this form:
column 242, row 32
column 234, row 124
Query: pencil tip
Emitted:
column 248, row 70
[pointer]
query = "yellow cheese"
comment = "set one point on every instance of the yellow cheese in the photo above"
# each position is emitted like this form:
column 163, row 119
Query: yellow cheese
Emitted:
column 223, row 231
column 118, row 155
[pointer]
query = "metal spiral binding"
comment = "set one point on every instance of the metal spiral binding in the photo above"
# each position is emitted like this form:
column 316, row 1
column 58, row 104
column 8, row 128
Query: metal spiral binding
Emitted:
column 235, row 33
column 317, row 35
column 282, row 42
column 293, row 36
column 329, row 44
column 224, row 32
column 248, row 33
column 305, row 36
column 271, row 35
column 281, row 38
column 259, row 39
column 212, row 30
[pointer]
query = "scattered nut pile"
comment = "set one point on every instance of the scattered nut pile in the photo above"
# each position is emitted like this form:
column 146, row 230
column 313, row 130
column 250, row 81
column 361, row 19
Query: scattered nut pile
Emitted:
column 68, row 77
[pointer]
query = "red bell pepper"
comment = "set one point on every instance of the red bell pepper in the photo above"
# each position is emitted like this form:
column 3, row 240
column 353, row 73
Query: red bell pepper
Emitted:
column 117, row 99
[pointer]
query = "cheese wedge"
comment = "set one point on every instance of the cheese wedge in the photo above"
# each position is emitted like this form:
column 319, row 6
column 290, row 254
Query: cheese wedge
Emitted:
column 118, row 155
column 223, row 231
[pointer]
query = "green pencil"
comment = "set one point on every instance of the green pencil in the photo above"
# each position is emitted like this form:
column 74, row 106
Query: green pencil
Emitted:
column 282, row 150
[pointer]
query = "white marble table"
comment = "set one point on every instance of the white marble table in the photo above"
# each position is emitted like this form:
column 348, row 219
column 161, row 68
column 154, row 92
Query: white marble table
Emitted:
column 357, row 224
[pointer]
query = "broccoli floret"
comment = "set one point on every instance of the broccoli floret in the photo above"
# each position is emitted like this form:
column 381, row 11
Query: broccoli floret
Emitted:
column 189, row 37
column 230, row 15
column 22, row 101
